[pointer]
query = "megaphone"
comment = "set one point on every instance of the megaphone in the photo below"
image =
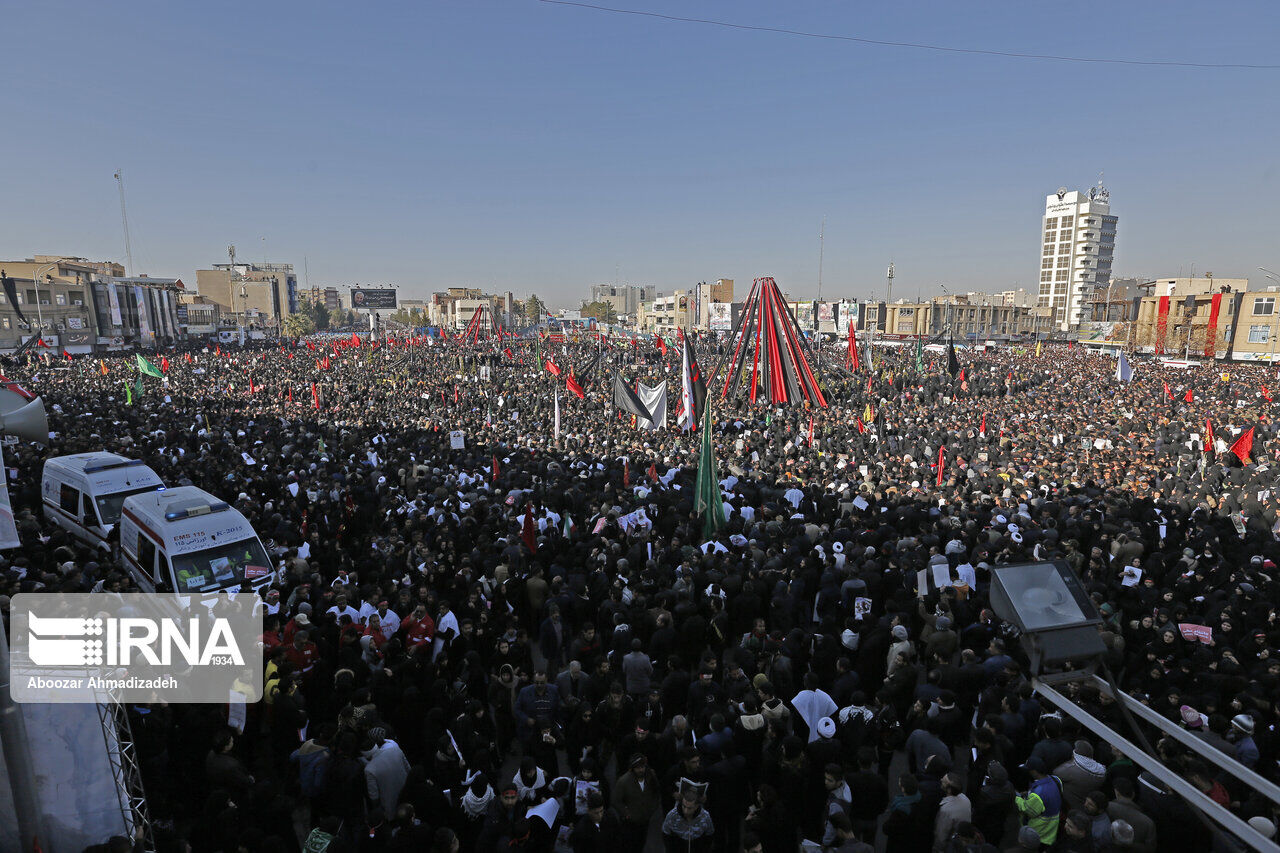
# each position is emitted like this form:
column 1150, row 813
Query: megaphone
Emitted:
column 10, row 400
column 29, row 423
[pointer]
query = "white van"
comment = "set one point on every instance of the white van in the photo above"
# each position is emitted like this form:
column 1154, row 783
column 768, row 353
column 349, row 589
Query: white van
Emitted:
column 83, row 493
column 187, row 541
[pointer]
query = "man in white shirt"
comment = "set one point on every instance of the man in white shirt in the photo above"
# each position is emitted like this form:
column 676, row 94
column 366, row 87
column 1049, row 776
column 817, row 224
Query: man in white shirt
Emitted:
column 387, row 619
column 446, row 629
column 341, row 608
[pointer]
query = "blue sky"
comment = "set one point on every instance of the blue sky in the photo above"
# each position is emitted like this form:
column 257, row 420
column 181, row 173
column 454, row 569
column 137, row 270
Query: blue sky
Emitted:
column 512, row 144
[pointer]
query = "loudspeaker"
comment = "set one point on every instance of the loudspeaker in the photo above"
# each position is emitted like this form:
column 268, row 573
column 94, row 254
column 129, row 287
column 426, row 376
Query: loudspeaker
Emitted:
column 28, row 423
column 10, row 400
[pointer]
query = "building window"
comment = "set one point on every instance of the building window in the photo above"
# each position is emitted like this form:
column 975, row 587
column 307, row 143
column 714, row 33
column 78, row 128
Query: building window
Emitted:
column 1067, row 220
column 61, row 298
column 1046, row 264
column 1051, row 222
column 1046, row 276
column 1264, row 306
column 1064, row 262
column 7, row 323
column 1061, row 275
column 1259, row 334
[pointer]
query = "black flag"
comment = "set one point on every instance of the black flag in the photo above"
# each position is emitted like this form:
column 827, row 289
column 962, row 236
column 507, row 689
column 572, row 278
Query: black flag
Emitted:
column 11, row 291
column 953, row 363
column 627, row 400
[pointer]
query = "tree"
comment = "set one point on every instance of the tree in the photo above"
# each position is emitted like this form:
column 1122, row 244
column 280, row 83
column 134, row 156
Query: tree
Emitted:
column 602, row 311
column 319, row 315
column 299, row 325
column 534, row 309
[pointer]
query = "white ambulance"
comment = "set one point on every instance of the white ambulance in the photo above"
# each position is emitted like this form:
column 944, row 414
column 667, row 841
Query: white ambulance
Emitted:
column 83, row 493
column 185, row 540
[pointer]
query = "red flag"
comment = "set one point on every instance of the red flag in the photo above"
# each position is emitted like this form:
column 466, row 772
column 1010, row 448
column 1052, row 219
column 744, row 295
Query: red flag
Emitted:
column 495, row 469
column 217, row 349
column 626, row 473
column 962, row 374
column 67, row 356
column 164, row 364
column 982, row 428
column 1188, row 398
column 1243, row 445
column 355, row 339
column 552, row 368
column 662, row 345
column 1167, row 392
column 188, row 357
column 940, row 449
column 40, row 343
column 455, row 393
column 290, row 393
column 251, row 385
column 311, row 345
column 1208, row 435
column 861, row 426
column 1009, row 378
column 574, row 387
column 529, row 533
column 811, row 429
column 315, row 396
column 868, row 384
column 853, row 348
column 507, row 353
column 1265, row 395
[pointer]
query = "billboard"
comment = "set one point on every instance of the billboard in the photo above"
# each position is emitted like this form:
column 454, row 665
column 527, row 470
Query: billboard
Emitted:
column 804, row 315
column 847, row 314
column 720, row 317
column 368, row 298
column 1102, row 332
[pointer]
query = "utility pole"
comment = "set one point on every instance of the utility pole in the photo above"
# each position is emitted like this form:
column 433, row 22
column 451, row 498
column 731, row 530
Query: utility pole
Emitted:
column 124, row 219
column 822, row 233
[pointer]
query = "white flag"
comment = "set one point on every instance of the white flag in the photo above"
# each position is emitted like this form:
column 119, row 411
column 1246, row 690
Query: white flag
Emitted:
column 557, row 426
column 1124, row 371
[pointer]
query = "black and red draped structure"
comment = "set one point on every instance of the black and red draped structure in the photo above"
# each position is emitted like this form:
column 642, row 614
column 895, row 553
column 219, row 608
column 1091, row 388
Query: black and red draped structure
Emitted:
column 482, row 326
column 768, row 357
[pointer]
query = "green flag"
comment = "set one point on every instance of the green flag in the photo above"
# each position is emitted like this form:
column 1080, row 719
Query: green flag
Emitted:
column 128, row 395
column 706, row 500
column 920, row 355
column 137, row 388
column 148, row 369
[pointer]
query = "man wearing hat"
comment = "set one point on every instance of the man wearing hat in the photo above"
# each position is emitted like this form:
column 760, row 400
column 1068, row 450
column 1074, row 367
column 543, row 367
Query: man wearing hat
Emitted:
column 1040, row 807
column 637, row 799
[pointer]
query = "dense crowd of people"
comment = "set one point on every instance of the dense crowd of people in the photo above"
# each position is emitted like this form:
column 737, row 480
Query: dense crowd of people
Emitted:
column 529, row 644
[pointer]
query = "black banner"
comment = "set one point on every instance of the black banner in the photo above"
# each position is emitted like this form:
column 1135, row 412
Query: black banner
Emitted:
column 367, row 298
column 11, row 291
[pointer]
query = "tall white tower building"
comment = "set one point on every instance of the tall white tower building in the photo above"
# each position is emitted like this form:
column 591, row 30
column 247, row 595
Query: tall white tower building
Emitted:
column 1077, row 245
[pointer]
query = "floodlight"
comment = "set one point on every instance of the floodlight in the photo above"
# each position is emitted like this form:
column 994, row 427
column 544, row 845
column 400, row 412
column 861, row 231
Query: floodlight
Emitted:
column 1049, row 605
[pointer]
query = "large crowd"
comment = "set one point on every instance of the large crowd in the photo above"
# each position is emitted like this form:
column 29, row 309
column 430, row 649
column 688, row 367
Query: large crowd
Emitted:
column 528, row 643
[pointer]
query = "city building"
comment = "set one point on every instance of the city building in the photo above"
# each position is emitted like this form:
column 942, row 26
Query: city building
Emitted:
column 666, row 313
column 1078, row 241
column 966, row 317
column 329, row 297
column 53, row 293
column 453, row 308
column 1201, row 318
column 259, row 296
column 137, row 311
column 199, row 316
column 625, row 298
